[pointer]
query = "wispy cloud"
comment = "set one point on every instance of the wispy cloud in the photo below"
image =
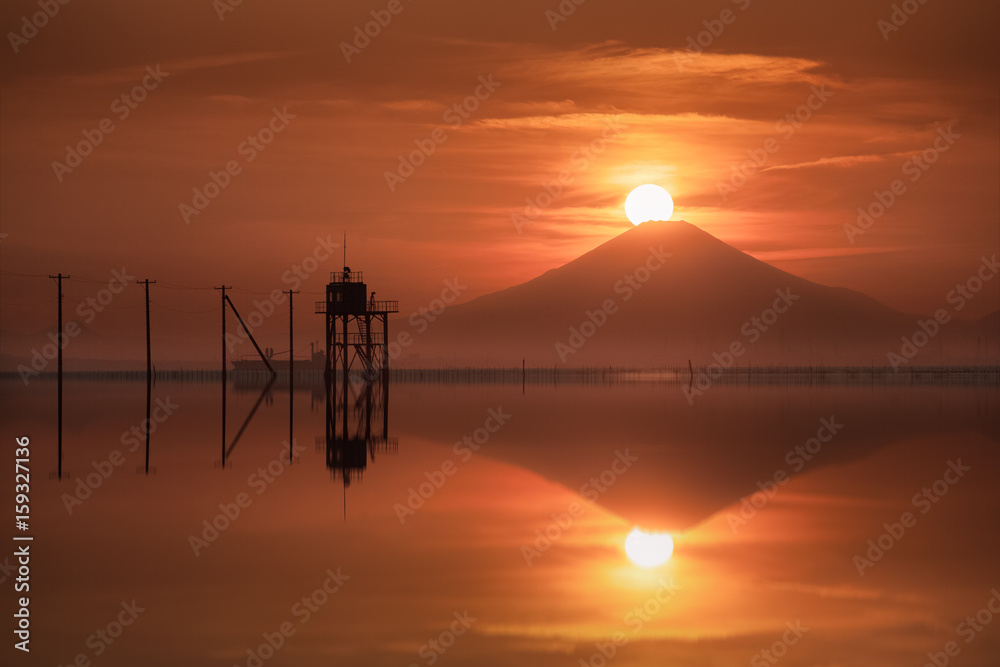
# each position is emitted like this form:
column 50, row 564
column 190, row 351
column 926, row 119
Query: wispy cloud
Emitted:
column 824, row 253
column 842, row 161
column 119, row 75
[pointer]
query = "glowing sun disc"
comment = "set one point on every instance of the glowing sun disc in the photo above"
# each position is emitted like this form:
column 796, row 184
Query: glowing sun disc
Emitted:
column 648, row 202
column 648, row 549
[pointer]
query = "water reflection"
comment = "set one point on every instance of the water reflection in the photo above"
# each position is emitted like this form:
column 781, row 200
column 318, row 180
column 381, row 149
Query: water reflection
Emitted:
column 265, row 392
column 352, row 407
column 754, row 550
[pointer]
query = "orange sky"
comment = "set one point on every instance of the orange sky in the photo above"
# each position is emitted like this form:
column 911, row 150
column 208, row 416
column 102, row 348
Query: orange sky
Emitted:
column 613, row 72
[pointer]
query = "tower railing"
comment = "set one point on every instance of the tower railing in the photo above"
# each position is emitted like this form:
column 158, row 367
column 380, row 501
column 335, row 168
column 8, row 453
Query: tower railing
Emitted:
column 370, row 306
column 349, row 277
column 361, row 338
column 383, row 306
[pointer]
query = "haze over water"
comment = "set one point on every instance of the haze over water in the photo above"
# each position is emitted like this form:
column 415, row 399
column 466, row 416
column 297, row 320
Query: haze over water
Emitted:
column 450, row 555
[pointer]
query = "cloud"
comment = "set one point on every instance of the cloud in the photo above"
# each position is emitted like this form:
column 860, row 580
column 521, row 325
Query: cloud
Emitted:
column 842, row 161
column 772, row 256
column 128, row 74
column 841, row 592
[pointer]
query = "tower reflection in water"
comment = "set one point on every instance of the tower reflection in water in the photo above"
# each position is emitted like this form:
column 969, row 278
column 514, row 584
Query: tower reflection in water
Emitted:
column 357, row 425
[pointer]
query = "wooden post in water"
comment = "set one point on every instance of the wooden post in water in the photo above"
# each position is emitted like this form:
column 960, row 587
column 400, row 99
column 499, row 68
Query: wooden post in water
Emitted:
column 291, row 372
column 223, row 289
column 61, row 339
column 149, row 369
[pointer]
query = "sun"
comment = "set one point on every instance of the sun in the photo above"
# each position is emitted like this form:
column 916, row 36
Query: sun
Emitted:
column 648, row 549
column 648, row 202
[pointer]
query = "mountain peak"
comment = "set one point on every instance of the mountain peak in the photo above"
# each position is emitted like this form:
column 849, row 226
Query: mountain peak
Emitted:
column 673, row 231
column 666, row 293
column 690, row 248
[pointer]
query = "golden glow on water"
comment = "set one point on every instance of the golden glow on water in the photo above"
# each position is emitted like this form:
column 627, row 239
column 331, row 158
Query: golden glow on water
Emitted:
column 495, row 540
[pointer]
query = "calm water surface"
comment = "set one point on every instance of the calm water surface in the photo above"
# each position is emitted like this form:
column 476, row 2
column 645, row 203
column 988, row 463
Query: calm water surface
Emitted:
column 484, row 524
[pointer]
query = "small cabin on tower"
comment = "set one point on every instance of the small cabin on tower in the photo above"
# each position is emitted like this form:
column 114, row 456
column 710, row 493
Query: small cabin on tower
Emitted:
column 357, row 325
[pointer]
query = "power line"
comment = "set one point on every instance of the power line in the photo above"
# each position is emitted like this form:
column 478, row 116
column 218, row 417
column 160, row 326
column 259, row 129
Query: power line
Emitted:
column 177, row 286
column 180, row 310
column 24, row 275
column 30, row 303
column 94, row 281
column 167, row 285
column 103, row 307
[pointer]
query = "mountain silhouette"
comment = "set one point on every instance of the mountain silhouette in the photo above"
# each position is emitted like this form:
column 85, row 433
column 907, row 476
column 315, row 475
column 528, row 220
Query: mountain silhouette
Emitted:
column 693, row 305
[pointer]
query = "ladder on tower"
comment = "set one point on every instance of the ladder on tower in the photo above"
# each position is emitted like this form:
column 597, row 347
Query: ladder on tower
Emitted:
column 364, row 346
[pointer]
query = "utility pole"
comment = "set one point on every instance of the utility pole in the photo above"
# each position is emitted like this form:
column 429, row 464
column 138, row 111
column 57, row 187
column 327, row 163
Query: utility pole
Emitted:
column 291, row 372
column 149, row 357
column 223, row 289
column 61, row 337
column 149, row 369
